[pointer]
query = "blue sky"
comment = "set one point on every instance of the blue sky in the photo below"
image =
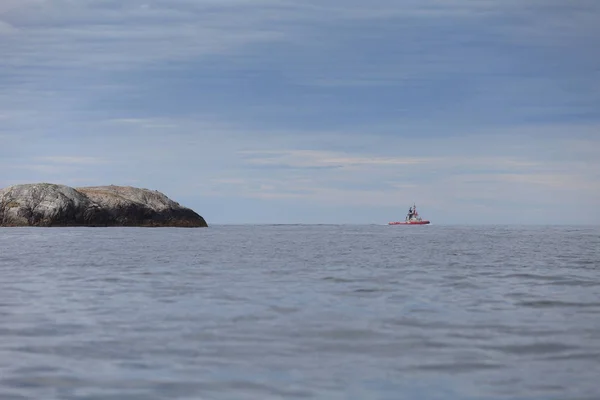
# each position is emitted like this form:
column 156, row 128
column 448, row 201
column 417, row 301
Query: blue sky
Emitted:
column 329, row 111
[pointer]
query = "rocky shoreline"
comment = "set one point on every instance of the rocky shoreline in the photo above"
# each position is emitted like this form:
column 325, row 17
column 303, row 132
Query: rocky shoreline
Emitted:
column 46, row 204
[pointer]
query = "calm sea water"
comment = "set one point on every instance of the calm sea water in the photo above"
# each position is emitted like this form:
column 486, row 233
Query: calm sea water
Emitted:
column 285, row 312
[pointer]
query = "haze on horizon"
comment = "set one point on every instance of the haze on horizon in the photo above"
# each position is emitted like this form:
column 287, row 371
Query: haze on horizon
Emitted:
column 328, row 111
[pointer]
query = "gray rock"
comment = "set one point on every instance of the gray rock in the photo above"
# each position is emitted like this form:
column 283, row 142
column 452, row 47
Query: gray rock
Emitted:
column 129, row 206
column 45, row 204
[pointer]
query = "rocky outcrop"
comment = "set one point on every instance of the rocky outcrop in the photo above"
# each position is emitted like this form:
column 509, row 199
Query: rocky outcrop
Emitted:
column 128, row 206
column 45, row 204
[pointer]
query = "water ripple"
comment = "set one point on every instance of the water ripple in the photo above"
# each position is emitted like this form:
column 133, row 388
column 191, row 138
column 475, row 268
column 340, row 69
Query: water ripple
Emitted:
column 271, row 312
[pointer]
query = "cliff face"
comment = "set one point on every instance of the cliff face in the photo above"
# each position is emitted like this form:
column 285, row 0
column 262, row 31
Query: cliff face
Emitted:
column 46, row 204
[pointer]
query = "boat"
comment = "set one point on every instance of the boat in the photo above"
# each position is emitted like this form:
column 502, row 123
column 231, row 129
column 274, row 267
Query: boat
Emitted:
column 412, row 218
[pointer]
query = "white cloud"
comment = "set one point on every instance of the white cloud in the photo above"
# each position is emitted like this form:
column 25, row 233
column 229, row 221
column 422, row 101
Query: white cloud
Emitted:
column 41, row 169
column 61, row 33
column 116, row 35
column 72, row 160
column 6, row 28
column 556, row 181
column 318, row 158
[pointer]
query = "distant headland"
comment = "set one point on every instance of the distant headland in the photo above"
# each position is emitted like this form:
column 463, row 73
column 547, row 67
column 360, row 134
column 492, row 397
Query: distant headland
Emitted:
column 46, row 204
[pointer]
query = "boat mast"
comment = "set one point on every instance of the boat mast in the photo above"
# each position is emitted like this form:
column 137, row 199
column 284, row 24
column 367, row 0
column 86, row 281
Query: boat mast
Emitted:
column 415, row 213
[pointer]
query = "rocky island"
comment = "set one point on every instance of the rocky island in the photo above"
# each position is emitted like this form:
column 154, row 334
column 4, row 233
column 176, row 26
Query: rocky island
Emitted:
column 45, row 204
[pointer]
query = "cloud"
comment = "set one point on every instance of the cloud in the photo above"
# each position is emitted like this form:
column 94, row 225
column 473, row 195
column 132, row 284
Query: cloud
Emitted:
column 359, row 179
column 556, row 181
column 44, row 169
column 6, row 28
column 407, row 60
column 144, row 123
column 115, row 35
column 72, row 160
column 317, row 158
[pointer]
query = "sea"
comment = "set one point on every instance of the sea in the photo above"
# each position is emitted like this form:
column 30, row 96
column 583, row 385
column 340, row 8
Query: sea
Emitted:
column 300, row 312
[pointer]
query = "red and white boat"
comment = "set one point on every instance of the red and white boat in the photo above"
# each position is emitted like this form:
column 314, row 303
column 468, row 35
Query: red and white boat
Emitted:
column 412, row 218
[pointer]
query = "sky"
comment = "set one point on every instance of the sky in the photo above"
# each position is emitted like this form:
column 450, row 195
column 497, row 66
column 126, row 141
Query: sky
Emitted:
column 312, row 111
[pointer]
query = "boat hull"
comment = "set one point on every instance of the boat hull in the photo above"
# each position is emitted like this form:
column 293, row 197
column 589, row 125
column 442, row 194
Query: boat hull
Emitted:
column 409, row 223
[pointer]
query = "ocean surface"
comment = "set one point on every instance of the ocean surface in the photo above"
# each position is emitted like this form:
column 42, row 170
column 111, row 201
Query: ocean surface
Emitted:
column 300, row 312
